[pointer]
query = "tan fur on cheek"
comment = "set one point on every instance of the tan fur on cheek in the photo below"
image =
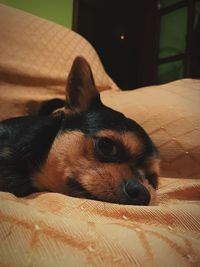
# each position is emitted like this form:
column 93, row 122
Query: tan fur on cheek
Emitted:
column 66, row 150
column 105, row 180
column 72, row 156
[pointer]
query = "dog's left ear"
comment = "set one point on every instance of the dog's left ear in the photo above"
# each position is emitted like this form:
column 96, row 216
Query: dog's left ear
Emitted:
column 81, row 90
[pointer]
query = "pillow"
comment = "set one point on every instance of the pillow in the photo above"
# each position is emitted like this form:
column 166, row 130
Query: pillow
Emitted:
column 36, row 56
column 170, row 113
column 35, row 49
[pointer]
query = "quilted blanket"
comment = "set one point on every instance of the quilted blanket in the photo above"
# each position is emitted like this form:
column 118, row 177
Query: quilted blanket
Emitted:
column 49, row 229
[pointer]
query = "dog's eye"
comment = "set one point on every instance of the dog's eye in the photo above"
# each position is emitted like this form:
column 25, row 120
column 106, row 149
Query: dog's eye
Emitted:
column 106, row 147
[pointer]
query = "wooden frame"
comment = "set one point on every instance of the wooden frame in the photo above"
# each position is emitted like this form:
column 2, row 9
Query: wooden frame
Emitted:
column 186, row 57
column 149, row 61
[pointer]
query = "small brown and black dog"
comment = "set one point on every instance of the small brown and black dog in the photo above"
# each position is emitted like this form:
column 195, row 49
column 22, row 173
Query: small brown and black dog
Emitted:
column 84, row 149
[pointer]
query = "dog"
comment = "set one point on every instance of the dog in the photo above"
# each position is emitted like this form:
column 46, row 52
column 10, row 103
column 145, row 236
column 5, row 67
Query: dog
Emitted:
column 81, row 149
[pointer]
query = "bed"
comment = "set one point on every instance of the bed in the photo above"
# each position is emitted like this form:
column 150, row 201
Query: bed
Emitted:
column 50, row 229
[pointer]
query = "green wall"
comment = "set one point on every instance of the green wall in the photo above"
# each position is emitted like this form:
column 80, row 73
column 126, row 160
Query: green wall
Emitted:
column 59, row 11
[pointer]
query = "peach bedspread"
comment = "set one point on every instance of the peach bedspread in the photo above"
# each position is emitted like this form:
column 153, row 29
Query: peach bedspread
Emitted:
column 49, row 229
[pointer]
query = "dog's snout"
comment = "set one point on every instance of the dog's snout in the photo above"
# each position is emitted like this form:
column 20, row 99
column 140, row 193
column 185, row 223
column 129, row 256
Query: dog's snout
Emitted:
column 136, row 192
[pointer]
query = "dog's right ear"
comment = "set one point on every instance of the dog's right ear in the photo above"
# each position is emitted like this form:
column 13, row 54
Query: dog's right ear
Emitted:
column 81, row 90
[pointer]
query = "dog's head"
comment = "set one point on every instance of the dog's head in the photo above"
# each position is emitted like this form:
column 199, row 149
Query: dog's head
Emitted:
column 98, row 153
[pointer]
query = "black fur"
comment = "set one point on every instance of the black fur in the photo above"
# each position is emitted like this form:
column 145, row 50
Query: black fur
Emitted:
column 27, row 140
column 49, row 106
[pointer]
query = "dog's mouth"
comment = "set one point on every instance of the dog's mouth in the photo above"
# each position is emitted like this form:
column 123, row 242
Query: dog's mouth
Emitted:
column 76, row 189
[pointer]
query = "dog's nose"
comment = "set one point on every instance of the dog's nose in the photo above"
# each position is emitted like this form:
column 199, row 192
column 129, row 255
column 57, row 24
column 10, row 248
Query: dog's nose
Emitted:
column 136, row 192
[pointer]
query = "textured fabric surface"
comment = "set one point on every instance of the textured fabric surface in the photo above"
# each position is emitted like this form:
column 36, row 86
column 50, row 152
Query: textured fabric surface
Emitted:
column 49, row 229
column 170, row 113
column 36, row 56
column 56, row 230
column 35, row 48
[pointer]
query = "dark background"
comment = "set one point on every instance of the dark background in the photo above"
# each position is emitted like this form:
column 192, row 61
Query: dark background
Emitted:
column 128, row 36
